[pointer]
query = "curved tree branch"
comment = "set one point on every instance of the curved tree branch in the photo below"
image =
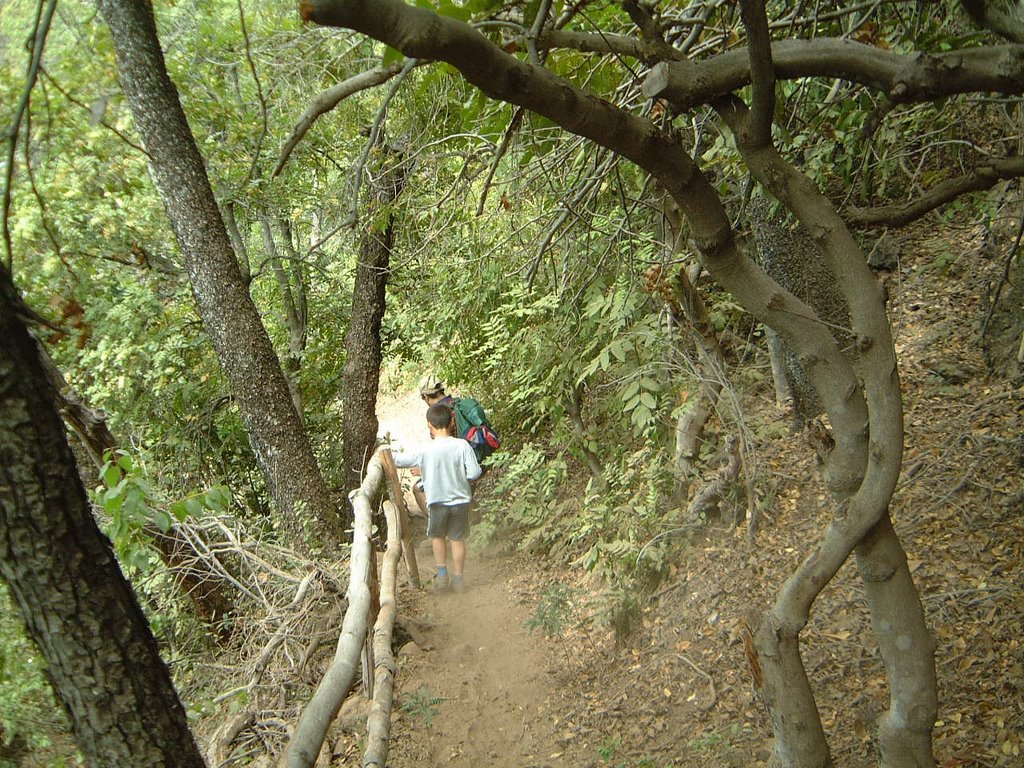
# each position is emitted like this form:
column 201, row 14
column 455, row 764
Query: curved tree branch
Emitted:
column 905, row 79
column 985, row 176
column 328, row 100
column 621, row 45
column 987, row 16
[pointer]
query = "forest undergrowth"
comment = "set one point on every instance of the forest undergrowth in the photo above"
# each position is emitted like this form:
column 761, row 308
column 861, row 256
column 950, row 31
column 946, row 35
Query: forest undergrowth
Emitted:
column 677, row 689
column 530, row 668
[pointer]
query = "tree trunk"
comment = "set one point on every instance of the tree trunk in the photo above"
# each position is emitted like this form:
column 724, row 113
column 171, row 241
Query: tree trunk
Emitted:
column 907, row 648
column 296, row 327
column 361, row 375
column 101, row 657
column 231, row 319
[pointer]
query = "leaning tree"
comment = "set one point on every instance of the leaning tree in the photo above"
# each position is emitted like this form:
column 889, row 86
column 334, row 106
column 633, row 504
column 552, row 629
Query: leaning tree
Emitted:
column 231, row 319
column 736, row 70
column 101, row 656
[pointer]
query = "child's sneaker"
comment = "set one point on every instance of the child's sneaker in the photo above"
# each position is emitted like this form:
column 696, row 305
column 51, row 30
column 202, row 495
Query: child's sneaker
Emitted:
column 458, row 585
column 441, row 582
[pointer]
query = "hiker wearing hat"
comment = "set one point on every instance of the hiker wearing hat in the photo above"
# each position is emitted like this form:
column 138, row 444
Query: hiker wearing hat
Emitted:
column 432, row 393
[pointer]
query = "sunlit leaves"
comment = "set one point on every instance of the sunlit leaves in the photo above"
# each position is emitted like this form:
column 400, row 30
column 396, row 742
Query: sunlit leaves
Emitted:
column 127, row 496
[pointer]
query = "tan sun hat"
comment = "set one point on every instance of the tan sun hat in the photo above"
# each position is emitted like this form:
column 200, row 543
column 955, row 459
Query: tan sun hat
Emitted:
column 431, row 385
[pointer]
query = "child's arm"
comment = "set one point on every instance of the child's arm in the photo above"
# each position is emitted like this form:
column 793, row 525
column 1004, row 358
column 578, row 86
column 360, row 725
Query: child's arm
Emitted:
column 405, row 459
column 472, row 466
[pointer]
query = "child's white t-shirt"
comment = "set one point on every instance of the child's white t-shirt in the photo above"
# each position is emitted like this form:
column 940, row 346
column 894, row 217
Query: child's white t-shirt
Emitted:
column 447, row 464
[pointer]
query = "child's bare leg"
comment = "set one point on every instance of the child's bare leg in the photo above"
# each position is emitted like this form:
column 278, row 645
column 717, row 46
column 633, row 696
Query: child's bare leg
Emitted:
column 458, row 557
column 440, row 551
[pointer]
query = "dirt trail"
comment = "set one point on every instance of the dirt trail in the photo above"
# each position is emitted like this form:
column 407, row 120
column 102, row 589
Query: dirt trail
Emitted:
column 474, row 686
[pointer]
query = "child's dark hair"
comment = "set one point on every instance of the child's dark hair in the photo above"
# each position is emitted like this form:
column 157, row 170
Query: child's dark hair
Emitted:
column 439, row 416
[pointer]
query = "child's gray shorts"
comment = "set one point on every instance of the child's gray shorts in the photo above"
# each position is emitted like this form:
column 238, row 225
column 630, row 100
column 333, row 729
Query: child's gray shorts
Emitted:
column 446, row 521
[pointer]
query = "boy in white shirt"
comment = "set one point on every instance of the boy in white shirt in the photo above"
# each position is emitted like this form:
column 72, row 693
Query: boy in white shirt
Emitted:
column 447, row 464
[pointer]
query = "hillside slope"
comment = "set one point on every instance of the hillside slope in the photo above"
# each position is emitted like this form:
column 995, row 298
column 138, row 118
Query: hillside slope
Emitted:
column 475, row 687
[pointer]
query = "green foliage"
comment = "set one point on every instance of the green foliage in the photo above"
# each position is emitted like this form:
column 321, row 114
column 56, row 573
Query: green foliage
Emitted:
column 556, row 612
column 607, row 530
column 422, row 703
column 129, row 499
column 29, row 712
column 610, row 752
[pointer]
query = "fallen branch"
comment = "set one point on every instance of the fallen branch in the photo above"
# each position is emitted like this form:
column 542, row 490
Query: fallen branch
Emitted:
column 378, row 725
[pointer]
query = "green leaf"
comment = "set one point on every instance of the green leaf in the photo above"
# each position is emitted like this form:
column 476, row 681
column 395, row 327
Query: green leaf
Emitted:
column 392, row 55
column 453, row 11
column 648, row 399
column 163, row 520
column 111, row 475
column 179, row 511
column 194, row 507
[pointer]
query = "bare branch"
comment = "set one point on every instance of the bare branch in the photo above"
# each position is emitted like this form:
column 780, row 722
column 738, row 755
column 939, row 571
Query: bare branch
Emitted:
column 42, row 28
column 985, row 176
column 905, row 79
column 762, row 73
column 122, row 136
column 328, row 100
column 499, row 153
column 357, row 174
column 259, row 95
column 621, row 45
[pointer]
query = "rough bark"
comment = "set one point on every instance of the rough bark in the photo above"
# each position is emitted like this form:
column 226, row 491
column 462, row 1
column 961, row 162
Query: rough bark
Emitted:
column 101, row 657
column 294, row 315
column 361, row 375
column 789, row 255
column 231, row 319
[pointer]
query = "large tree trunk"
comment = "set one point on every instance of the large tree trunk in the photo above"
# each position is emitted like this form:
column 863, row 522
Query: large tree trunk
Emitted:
column 361, row 375
column 232, row 321
column 78, row 608
column 907, row 649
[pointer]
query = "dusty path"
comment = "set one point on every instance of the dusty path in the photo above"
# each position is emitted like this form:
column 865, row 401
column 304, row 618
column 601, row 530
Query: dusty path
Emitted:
column 474, row 686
